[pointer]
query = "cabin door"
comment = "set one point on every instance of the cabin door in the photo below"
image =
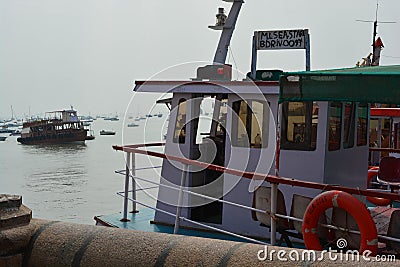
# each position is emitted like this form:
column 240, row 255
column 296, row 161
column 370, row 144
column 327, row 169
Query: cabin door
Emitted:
column 178, row 143
column 249, row 147
column 208, row 146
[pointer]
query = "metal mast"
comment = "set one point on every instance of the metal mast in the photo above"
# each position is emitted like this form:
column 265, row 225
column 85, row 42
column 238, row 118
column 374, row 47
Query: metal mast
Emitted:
column 374, row 33
column 227, row 30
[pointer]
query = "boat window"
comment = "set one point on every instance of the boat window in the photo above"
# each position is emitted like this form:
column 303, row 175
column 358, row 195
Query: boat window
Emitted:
column 180, row 124
column 335, row 126
column 373, row 132
column 349, row 124
column 385, row 132
column 221, row 126
column 299, row 125
column 250, row 124
column 205, row 118
column 362, row 124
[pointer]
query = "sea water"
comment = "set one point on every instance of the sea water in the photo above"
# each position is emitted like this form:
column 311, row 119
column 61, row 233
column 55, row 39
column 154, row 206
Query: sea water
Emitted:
column 75, row 182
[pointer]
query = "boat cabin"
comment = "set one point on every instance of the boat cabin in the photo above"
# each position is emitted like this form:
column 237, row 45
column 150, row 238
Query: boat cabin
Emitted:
column 226, row 123
column 69, row 116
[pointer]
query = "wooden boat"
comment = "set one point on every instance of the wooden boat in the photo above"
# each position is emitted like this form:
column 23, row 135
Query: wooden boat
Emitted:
column 61, row 126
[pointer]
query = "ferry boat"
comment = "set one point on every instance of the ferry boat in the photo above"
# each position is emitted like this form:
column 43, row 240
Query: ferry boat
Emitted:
column 61, row 126
column 282, row 162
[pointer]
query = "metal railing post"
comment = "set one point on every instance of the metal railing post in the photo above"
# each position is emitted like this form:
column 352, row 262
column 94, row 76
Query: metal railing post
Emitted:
column 127, row 170
column 180, row 199
column 133, row 165
column 274, row 198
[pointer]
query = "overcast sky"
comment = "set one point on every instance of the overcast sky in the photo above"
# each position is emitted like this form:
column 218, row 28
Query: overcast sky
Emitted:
column 87, row 53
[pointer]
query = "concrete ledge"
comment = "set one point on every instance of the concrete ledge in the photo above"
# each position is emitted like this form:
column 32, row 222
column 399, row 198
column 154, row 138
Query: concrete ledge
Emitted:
column 65, row 244
column 50, row 243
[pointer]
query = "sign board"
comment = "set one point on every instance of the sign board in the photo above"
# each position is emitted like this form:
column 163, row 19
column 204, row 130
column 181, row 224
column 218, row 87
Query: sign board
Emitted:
column 281, row 39
column 267, row 75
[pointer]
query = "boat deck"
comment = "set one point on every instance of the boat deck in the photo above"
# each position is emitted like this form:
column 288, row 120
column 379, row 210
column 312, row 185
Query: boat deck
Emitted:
column 142, row 221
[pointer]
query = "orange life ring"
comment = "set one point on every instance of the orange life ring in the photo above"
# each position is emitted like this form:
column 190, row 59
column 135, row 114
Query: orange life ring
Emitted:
column 378, row 201
column 330, row 199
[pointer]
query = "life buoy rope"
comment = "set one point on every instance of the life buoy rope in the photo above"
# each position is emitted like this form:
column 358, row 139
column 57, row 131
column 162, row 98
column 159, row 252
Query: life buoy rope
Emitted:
column 378, row 201
column 330, row 199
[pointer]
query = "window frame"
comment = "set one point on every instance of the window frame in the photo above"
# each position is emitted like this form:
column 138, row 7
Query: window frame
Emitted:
column 178, row 138
column 250, row 115
column 338, row 140
column 366, row 127
column 348, row 138
column 307, row 144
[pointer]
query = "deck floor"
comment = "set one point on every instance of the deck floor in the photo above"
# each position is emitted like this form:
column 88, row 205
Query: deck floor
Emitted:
column 141, row 221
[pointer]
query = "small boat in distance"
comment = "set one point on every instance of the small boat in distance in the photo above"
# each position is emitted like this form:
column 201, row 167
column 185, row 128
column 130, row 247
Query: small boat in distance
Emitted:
column 112, row 118
column 3, row 138
column 133, row 124
column 16, row 133
column 61, row 126
column 5, row 129
column 105, row 132
column 86, row 123
column 90, row 137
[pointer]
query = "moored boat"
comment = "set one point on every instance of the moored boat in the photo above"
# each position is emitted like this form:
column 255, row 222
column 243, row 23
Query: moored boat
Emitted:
column 5, row 129
column 247, row 176
column 107, row 132
column 133, row 124
column 61, row 126
column 16, row 133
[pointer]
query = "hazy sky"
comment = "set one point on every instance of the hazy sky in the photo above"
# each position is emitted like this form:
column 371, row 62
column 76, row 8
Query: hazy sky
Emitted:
column 87, row 53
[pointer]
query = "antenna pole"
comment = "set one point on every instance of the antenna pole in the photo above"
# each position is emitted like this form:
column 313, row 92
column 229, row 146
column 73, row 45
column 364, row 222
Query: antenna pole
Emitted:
column 373, row 42
column 374, row 34
column 226, row 35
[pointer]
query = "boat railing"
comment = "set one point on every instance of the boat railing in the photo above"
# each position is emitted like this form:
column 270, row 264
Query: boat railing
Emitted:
column 275, row 181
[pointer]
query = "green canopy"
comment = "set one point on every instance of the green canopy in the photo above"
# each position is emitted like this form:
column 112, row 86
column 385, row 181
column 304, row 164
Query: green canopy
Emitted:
column 380, row 84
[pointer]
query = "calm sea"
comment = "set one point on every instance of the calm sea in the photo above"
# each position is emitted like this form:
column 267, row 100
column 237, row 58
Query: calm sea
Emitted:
column 75, row 182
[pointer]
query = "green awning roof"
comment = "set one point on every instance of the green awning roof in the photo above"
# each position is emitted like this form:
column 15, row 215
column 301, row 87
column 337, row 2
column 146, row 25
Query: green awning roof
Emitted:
column 379, row 84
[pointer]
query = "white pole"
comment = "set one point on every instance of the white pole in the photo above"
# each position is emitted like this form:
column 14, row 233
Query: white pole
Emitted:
column 134, row 210
column 274, row 197
column 180, row 198
column 127, row 167
column 254, row 57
